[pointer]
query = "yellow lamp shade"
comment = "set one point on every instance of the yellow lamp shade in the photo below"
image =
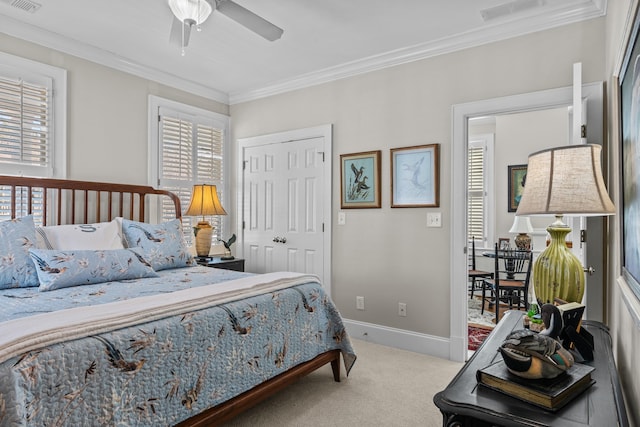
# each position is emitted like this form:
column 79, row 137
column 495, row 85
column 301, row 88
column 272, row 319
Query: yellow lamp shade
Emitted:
column 204, row 202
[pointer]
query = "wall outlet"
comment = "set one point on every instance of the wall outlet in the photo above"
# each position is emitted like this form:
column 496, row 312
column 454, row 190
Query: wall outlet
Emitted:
column 360, row 303
column 434, row 219
column 402, row 309
column 342, row 218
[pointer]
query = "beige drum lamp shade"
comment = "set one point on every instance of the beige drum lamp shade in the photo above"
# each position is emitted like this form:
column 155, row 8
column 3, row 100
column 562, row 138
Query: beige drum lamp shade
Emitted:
column 563, row 181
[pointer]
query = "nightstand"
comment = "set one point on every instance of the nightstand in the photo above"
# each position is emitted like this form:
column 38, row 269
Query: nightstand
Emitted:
column 236, row 264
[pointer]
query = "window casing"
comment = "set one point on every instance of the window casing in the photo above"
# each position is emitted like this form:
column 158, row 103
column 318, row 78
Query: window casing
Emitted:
column 188, row 147
column 32, row 125
column 480, row 215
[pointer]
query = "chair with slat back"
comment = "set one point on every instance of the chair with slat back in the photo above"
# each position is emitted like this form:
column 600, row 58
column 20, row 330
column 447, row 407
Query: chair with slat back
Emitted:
column 510, row 282
column 474, row 275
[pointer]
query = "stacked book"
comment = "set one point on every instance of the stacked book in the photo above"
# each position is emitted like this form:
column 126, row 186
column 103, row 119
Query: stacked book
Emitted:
column 551, row 394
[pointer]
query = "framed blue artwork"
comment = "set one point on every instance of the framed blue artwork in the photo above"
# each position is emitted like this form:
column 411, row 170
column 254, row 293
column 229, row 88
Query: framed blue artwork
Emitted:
column 360, row 180
column 415, row 176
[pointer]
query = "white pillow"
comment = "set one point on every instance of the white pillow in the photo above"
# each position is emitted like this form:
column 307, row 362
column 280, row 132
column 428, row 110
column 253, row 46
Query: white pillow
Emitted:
column 100, row 236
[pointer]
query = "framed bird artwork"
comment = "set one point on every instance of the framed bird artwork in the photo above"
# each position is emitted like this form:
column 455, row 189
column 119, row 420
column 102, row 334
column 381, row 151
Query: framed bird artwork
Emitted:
column 360, row 180
column 415, row 176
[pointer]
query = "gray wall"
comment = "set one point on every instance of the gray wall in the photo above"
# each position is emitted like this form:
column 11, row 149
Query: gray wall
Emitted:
column 389, row 255
column 398, row 257
column 106, row 114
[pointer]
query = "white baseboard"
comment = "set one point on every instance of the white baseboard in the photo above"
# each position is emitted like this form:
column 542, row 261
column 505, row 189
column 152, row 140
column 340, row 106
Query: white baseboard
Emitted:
column 399, row 338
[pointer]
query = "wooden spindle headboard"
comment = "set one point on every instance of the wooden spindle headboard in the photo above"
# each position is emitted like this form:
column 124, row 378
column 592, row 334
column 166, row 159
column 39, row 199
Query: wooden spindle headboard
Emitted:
column 62, row 201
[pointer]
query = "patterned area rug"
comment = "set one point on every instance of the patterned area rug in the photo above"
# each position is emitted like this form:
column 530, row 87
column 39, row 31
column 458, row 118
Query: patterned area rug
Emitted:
column 477, row 335
column 473, row 315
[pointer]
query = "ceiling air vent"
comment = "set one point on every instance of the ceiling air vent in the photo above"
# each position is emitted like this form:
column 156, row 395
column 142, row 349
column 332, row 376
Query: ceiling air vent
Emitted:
column 26, row 5
column 510, row 8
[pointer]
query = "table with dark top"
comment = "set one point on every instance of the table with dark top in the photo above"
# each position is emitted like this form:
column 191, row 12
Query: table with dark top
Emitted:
column 466, row 403
column 236, row 264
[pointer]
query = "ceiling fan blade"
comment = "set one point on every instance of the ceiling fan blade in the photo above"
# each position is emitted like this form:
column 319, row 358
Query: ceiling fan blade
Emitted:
column 249, row 19
column 175, row 37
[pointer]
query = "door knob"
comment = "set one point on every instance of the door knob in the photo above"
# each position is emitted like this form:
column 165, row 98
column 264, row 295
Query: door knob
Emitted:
column 280, row 239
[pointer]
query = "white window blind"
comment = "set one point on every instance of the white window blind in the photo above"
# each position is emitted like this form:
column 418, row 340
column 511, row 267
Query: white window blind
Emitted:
column 480, row 215
column 32, row 126
column 25, row 110
column 475, row 192
column 191, row 152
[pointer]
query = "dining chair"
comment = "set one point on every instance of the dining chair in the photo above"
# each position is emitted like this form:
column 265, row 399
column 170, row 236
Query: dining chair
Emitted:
column 475, row 276
column 510, row 281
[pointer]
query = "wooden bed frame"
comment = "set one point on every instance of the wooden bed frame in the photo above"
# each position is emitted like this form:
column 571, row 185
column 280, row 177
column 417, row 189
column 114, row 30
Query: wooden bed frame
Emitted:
column 89, row 202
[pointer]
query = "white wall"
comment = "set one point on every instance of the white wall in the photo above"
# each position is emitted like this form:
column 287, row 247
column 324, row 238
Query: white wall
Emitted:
column 516, row 136
column 389, row 255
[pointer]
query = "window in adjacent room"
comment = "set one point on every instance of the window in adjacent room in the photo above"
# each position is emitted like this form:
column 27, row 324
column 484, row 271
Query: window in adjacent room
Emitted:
column 188, row 147
column 480, row 190
column 32, row 125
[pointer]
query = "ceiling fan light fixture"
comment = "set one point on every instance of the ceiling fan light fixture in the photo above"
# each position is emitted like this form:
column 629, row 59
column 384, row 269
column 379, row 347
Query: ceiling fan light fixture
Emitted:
column 191, row 10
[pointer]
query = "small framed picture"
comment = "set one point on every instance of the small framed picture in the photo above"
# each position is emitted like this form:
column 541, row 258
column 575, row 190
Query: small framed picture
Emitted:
column 360, row 180
column 517, row 179
column 415, row 176
column 504, row 243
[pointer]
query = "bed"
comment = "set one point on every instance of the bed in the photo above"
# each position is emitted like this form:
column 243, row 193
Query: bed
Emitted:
column 138, row 335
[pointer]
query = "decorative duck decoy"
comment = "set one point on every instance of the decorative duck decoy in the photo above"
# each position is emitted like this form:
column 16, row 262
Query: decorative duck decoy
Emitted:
column 533, row 356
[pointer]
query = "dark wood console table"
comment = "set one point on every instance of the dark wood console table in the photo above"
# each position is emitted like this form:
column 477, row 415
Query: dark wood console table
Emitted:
column 465, row 403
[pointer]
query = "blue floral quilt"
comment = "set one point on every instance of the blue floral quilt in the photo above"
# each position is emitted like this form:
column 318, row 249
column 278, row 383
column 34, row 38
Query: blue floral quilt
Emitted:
column 167, row 369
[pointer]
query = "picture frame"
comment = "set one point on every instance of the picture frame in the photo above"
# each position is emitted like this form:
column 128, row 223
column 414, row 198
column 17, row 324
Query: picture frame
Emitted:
column 516, row 180
column 415, row 176
column 628, row 99
column 504, row 243
column 360, row 180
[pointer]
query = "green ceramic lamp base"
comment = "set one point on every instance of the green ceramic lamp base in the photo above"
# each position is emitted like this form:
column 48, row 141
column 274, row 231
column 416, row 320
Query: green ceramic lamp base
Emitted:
column 557, row 272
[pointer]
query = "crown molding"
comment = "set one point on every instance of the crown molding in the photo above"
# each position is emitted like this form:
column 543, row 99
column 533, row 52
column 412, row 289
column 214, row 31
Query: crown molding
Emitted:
column 567, row 14
column 66, row 45
column 563, row 15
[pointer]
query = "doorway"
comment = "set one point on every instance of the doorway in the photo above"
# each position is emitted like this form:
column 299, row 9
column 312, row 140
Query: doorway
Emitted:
column 285, row 202
column 535, row 101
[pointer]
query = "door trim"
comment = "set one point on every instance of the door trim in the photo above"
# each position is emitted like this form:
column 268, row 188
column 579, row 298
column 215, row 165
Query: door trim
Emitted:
column 551, row 98
column 323, row 131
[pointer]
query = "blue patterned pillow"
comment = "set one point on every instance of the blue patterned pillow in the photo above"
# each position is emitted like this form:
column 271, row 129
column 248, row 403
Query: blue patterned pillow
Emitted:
column 17, row 270
column 163, row 245
column 61, row 269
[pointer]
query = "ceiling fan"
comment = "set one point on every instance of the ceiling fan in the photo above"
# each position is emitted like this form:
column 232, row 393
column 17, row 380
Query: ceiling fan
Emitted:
column 190, row 13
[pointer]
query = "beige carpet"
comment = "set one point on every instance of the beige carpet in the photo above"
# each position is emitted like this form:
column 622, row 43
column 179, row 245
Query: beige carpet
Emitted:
column 386, row 387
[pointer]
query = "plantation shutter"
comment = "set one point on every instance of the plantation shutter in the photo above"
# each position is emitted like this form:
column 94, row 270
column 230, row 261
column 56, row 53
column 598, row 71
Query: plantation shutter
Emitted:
column 25, row 135
column 476, row 214
column 25, row 126
column 191, row 152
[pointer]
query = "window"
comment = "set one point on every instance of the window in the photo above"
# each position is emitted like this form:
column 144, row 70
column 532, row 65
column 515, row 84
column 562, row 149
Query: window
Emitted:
column 480, row 190
column 32, row 124
column 188, row 147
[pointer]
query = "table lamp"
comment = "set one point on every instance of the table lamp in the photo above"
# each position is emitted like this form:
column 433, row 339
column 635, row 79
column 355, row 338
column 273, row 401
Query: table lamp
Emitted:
column 204, row 202
column 522, row 226
column 563, row 181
